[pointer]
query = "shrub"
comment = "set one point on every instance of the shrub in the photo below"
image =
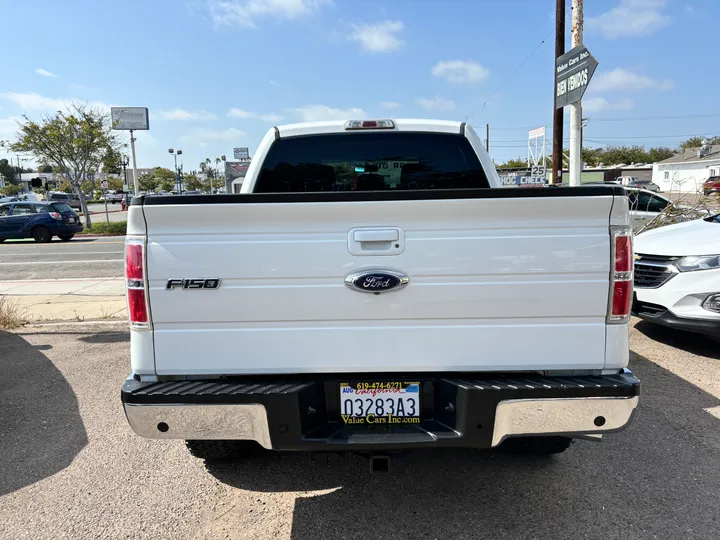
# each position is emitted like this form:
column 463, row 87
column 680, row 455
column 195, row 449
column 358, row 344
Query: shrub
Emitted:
column 118, row 228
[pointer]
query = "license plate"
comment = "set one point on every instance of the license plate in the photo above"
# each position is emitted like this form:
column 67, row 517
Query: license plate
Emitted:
column 71, row 220
column 389, row 402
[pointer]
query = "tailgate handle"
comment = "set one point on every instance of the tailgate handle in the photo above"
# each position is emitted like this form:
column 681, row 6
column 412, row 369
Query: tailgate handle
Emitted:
column 389, row 235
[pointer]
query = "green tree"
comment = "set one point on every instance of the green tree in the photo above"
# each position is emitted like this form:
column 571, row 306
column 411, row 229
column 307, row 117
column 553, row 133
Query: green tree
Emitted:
column 148, row 182
column 166, row 185
column 112, row 161
column 7, row 170
column 10, row 189
column 192, row 182
column 45, row 169
column 515, row 163
column 165, row 175
column 696, row 142
column 65, row 187
column 73, row 142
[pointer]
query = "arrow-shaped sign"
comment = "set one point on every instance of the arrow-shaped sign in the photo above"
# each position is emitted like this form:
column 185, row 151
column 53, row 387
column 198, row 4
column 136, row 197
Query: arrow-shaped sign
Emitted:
column 573, row 71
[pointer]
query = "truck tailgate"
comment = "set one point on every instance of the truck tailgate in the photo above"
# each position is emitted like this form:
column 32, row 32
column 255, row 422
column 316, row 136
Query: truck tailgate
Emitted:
column 495, row 284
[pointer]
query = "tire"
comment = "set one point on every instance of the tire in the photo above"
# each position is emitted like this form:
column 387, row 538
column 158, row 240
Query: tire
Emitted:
column 223, row 450
column 66, row 237
column 537, row 446
column 41, row 235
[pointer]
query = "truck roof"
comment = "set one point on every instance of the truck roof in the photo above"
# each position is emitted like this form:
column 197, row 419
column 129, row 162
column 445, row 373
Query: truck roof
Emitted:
column 338, row 126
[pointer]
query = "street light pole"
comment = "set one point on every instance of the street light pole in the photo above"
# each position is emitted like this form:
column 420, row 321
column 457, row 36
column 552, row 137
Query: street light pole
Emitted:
column 177, row 176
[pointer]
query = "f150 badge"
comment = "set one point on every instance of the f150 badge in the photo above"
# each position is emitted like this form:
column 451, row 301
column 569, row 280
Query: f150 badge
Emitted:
column 376, row 280
column 193, row 283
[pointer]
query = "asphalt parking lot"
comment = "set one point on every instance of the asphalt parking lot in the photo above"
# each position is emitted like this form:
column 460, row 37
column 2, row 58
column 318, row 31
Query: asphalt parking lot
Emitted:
column 71, row 468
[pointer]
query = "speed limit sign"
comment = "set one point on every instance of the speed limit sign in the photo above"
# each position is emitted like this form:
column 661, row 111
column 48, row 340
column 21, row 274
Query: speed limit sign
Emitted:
column 104, row 184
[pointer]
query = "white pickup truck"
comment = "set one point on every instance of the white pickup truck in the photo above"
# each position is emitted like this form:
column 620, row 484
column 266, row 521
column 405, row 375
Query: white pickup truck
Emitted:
column 374, row 289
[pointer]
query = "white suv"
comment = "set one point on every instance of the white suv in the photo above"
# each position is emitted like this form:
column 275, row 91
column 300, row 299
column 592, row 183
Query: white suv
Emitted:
column 677, row 276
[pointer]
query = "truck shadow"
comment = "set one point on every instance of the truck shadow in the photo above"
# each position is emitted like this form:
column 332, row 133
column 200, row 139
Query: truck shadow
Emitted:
column 41, row 431
column 686, row 341
column 641, row 483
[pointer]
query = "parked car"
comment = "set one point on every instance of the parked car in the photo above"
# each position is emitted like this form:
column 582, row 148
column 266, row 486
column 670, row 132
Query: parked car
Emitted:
column 677, row 276
column 38, row 220
column 711, row 185
column 72, row 200
column 644, row 184
column 192, row 192
column 356, row 311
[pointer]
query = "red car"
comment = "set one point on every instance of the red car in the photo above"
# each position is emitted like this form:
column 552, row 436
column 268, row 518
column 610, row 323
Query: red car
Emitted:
column 711, row 185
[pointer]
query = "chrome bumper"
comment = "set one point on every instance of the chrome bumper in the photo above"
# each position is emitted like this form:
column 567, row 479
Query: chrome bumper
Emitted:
column 200, row 422
column 574, row 417
column 562, row 416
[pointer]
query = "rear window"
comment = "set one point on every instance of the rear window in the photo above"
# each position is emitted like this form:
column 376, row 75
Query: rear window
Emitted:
column 370, row 162
column 60, row 207
column 59, row 196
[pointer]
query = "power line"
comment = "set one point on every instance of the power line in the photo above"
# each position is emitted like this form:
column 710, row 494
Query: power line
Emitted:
column 511, row 75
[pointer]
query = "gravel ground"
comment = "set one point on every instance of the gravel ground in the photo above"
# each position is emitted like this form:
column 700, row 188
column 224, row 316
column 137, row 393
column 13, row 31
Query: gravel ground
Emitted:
column 71, row 468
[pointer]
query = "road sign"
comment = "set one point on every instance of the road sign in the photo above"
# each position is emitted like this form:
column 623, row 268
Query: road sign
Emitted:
column 129, row 118
column 573, row 71
column 241, row 153
column 104, row 184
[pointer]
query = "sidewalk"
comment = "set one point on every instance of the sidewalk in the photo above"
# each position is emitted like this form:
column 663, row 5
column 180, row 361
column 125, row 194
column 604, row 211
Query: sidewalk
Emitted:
column 67, row 299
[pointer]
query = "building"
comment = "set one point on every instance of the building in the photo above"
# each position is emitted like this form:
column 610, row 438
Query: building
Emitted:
column 686, row 172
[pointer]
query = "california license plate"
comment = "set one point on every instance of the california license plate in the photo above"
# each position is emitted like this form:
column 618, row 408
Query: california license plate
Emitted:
column 389, row 402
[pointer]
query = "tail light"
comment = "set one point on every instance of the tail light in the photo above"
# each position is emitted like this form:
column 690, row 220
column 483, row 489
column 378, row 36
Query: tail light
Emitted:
column 55, row 215
column 621, row 276
column 136, row 283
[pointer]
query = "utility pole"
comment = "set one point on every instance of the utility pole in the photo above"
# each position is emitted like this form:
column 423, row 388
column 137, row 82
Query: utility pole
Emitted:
column 487, row 138
column 559, row 117
column 576, row 108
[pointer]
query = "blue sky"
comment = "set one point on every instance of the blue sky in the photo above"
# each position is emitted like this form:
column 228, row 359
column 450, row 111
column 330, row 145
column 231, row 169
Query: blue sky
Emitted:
column 217, row 74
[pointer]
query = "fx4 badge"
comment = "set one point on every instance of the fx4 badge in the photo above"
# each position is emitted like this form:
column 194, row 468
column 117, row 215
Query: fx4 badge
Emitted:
column 193, row 283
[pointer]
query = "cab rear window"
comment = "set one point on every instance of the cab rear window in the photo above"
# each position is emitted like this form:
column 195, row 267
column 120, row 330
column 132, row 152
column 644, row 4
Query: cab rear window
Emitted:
column 378, row 161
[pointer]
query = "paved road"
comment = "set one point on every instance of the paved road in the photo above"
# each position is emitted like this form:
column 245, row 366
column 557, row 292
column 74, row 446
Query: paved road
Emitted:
column 78, row 258
column 71, row 468
column 98, row 213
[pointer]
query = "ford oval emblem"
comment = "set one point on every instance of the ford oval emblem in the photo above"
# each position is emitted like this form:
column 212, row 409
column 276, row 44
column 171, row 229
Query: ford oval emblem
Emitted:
column 376, row 280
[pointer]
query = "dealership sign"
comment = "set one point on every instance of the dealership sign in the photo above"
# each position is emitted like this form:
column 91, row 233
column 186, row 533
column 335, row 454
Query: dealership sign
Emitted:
column 573, row 71
column 129, row 118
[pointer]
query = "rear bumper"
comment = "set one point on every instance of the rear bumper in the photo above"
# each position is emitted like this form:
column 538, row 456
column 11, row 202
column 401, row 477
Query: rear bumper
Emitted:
column 303, row 414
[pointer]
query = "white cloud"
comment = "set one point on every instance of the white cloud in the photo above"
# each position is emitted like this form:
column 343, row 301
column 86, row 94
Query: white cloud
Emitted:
column 630, row 18
column 239, row 113
column 245, row 13
column 436, row 104
column 319, row 113
column 460, row 71
column 8, row 127
column 44, row 72
column 202, row 136
column 624, row 80
column 182, row 114
column 274, row 83
column 390, row 105
column 599, row 104
column 378, row 37
column 35, row 102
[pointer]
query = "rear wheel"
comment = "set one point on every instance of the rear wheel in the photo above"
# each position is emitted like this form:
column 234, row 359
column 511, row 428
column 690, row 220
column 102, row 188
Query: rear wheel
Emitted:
column 65, row 237
column 42, row 235
column 536, row 445
column 223, row 450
